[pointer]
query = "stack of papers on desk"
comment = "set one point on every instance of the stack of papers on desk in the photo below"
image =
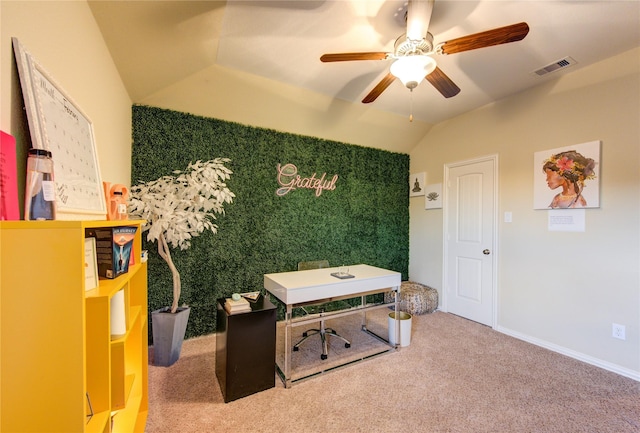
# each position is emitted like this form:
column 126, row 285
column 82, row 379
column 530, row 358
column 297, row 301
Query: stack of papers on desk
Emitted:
column 239, row 306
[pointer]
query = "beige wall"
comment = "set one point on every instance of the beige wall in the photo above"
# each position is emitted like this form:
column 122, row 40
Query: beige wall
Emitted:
column 557, row 289
column 64, row 38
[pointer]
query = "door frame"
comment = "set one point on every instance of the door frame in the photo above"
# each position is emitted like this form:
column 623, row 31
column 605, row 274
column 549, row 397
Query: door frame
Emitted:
column 445, row 230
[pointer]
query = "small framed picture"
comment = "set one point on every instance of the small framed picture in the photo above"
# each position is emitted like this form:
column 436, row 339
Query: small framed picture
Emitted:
column 416, row 184
column 433, row 196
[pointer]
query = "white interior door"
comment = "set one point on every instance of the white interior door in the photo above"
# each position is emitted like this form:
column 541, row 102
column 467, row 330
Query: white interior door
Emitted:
column 470, row 220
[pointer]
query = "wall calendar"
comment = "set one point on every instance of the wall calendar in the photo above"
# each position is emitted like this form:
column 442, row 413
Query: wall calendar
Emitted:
column 57, row 124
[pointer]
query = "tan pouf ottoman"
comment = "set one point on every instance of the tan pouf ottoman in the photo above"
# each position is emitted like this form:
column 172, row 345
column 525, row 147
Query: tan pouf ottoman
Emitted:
column 415, row 298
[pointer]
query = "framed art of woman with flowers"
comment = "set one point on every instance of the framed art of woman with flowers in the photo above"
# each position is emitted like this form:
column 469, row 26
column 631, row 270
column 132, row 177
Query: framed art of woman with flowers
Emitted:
column 570, row 176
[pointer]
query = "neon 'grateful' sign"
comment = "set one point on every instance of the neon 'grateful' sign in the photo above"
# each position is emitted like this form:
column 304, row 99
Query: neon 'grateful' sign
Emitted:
column 289, row 179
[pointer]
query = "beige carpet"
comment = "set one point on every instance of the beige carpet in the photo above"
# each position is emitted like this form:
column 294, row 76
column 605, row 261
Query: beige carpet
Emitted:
column 456, row 376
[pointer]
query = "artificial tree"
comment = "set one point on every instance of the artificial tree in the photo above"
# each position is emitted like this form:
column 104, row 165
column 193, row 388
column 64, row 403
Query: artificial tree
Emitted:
column 178, row 208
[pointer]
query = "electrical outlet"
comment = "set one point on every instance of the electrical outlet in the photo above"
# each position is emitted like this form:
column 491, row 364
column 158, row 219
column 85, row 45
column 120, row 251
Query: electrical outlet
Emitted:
column 618, row 331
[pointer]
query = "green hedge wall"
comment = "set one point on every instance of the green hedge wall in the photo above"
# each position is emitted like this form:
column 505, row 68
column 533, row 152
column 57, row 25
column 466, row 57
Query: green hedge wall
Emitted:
column 365, row 219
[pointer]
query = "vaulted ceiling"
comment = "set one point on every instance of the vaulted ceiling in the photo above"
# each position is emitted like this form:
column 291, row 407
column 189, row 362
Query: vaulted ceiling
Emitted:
column 157, row 43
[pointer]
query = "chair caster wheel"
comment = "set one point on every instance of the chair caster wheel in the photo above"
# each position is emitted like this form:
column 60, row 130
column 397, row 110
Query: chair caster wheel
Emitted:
column 296, row 348
column 347, row 345
column 323, row 357
column 304, row 334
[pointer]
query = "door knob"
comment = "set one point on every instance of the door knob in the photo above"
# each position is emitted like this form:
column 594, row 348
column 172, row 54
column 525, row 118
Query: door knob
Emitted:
column 486, row 252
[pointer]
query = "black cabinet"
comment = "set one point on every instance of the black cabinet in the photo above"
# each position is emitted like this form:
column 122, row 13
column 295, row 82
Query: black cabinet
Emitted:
column 246, row 349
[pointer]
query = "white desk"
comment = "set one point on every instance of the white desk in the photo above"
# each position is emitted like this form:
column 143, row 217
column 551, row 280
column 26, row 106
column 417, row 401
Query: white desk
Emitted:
column 297, row 288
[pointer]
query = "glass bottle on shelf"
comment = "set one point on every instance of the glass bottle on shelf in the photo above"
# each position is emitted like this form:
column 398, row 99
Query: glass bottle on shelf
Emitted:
column 40, row 193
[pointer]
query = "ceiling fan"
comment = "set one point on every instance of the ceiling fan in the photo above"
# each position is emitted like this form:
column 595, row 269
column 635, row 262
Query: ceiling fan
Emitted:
column 412, row 55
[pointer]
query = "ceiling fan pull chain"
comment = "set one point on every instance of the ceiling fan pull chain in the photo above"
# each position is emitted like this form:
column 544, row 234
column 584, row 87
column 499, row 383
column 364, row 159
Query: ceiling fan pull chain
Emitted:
column 411, row 105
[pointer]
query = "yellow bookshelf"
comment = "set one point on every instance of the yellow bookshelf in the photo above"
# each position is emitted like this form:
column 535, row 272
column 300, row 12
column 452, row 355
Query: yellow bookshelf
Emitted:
column 56, row 346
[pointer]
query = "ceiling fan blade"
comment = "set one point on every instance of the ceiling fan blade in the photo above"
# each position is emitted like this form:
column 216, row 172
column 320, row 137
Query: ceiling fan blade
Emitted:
column 345, row 57
column 443, row 83
column 418, row 17
column 380, row 87
column 501, row 35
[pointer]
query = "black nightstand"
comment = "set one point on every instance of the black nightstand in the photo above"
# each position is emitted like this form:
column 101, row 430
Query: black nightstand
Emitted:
column 246, row 349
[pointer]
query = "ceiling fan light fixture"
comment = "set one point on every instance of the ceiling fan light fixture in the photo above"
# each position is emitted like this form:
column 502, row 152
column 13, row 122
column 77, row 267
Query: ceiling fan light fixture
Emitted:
column 411, row 70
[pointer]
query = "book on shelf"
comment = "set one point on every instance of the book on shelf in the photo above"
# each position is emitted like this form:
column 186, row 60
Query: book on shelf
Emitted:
column 114, row 246
column 90, row 264
column 239, row 306
column 8, row 178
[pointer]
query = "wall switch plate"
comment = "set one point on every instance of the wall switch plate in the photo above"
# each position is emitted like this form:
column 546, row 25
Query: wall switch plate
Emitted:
column 618, row 331
column 508, row 217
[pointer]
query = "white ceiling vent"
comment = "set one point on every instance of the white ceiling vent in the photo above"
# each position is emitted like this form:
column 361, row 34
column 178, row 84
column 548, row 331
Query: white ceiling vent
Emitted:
column 555, row 66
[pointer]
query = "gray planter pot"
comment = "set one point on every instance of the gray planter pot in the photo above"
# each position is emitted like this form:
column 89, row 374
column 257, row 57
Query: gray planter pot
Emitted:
column 168, row 334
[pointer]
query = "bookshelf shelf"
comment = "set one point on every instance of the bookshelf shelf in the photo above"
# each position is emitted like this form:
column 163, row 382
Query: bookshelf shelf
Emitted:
column 42, row 301
column 98, row 423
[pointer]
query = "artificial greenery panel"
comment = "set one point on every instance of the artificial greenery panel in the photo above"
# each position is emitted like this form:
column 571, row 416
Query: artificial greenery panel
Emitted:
column 364, row 219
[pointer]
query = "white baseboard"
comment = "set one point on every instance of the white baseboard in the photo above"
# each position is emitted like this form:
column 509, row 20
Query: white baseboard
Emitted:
column 635, row 375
